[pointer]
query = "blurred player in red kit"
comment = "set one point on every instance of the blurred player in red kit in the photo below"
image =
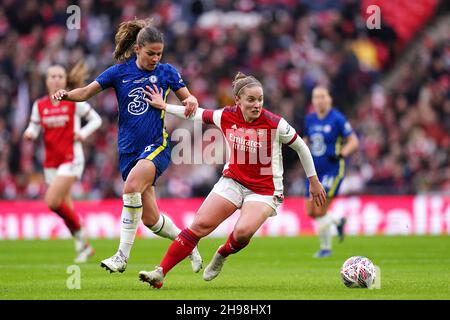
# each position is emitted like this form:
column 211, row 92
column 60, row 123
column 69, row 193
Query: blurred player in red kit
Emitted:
column 63, row 135
column 252, row 179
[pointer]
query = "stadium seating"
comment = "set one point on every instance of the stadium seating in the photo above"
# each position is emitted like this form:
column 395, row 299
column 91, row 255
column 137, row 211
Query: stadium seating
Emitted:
column 289, row 46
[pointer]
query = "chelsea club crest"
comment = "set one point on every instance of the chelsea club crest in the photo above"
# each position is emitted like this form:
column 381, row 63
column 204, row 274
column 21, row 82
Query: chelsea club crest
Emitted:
column 153, row 79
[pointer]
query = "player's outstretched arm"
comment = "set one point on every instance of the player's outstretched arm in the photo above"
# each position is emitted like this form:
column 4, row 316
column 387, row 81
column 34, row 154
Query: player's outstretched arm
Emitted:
column 288, row 136
column 188, row 100
column 316, row 190
column 94, row 121
column 78, row 94
column 34, row 126
column 155, row 99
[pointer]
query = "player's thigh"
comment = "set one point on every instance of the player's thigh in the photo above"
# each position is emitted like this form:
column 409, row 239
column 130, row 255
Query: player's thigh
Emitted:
column 253, row 215
column 150, row 211
column 140, row 176
column 58, row 190
column 214, row 210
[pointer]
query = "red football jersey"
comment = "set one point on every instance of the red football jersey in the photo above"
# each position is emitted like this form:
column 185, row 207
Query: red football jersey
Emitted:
column 255, row 158
column 59, row 123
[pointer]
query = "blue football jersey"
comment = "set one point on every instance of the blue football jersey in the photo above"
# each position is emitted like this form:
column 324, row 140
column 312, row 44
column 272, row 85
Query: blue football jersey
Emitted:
column 325, row 138
column 140, row 125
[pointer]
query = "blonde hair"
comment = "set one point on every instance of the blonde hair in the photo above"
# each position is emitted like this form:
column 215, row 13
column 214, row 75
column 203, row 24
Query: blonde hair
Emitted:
column 242, row 81
column 76, row 77
column 134, row 32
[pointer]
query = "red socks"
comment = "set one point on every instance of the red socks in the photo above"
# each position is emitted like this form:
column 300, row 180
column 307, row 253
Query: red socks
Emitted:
column 231, row 246
column 180, row 248
column 186, row 241
column 70, row 217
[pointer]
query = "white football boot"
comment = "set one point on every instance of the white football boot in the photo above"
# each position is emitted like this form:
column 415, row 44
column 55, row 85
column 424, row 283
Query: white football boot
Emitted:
column 155, row 278
column 212, row 270
column 116, row 263
column 84, row 254
column 196, row 260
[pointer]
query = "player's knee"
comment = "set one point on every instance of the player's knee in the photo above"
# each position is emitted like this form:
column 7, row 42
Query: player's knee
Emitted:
column 315, row 212
column 133, row 185
column 310, row 209
column 243, row 234
column 53, row 202
column 318, row 213
column 54, row 206
column 201, row 228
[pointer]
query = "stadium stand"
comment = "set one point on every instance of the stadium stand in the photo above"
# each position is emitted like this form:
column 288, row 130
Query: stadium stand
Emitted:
column 290, row 45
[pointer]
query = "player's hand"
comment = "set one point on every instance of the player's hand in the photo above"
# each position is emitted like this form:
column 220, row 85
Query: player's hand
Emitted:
column 60, row 94
column 155, row 97
column 191, row 105
column 78, row 137
column 27, row 135
column 317, row 192
column 335, row 157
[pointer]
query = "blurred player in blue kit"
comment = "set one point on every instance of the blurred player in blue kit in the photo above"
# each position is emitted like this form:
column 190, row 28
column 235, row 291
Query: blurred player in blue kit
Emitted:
column 144, row 150
column 331, row 139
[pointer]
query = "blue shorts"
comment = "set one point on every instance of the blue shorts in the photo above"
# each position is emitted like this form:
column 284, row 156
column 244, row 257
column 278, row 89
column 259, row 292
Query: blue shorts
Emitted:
column 331, row 181
column 157, row 154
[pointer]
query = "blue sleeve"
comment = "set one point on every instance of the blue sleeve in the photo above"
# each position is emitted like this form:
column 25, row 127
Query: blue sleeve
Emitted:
column 174, row 78
column 345, row 128
column 107, row 77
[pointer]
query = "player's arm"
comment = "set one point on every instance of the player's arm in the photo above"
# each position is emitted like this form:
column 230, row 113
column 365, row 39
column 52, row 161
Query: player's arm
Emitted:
column 79, row 94
column 155, row 99
column 94, row 121
column 316, row 189
column 351, row 142
column 188, row 100
column 34, row 127
column 289, row 136
column 351, row 145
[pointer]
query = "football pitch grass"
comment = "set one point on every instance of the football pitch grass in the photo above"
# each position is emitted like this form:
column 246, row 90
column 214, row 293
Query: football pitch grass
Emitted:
column 412, row 267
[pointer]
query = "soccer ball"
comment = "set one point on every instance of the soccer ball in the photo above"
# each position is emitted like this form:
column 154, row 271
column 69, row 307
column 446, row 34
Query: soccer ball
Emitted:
column 358, row 272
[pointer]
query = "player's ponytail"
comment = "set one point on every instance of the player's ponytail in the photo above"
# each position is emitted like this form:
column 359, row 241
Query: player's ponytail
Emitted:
column 241, row 80
column 132, row 32
column 77, row 75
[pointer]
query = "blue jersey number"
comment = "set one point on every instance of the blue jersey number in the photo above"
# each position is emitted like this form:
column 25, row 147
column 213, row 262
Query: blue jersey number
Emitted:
column 318, row 146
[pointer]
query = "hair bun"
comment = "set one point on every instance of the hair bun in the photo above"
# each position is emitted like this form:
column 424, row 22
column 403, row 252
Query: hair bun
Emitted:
column 239, row 76
column 241, row 80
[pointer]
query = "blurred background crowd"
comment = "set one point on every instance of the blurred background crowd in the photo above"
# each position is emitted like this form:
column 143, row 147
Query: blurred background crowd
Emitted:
column 392, row 83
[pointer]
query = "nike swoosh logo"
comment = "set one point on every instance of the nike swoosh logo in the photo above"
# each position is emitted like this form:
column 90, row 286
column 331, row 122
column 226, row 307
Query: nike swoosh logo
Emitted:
column 125, row 81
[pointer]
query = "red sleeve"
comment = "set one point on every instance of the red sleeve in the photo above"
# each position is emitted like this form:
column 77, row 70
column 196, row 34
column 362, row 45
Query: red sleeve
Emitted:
column 207, row 116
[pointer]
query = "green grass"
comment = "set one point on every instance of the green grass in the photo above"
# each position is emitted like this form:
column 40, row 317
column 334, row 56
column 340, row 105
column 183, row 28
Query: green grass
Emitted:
column 270, row 268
